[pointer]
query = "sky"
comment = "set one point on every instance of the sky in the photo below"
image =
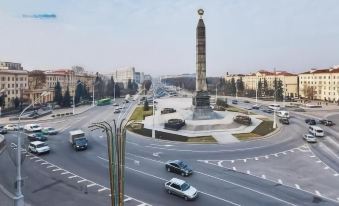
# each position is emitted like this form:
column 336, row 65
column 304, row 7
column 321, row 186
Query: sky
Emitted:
column 158, row 36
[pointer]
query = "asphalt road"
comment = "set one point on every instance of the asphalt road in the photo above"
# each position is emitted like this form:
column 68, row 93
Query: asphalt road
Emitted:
column 66, row 177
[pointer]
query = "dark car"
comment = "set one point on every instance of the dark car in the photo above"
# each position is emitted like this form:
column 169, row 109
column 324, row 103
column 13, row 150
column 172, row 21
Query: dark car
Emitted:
column 246, row 101
column 3, row 130
column 269, row 111
column 255, row 106
column 179, row 167
column 312, row 122
column 322, row 121
column 329, row 123
column 37, row 137
column 284, row 121
column 234, row 101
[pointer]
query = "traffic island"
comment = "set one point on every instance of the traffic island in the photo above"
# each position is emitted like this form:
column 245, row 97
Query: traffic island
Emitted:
column 263, row 129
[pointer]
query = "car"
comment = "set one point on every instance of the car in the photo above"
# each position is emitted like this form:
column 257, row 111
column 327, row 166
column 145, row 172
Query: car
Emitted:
column 284, row 120
column 116, row 110
column 329, row 123
column 32, row 128
column 310, row 138
column 12, row 127
column 234, row 101
column 38, row 147
column 312, row 122
column 3, row 130
column 49, row 131
column 246, row 101
column 269, row 111
column 115, row 104
column 181, row 188
column 322, row 121
column 255, row 106
column 39, row 136
column 179, row 167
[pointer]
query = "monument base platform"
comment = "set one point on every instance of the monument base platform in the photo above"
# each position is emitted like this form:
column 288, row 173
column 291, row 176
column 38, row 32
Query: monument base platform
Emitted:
column 201, row 106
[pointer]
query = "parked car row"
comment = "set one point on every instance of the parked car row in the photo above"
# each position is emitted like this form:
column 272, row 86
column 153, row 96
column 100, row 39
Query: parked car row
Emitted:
column 321, row 121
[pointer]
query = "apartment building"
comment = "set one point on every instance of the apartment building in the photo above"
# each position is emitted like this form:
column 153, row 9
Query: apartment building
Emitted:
column 290, row 81
column 320, row 84
column 12, row 84
column 122, row 75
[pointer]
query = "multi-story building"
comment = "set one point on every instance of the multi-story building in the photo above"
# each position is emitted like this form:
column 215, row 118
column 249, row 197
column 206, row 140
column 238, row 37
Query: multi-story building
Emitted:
column 123, row 75
column 320, row 84
column 290, row 81
column 13, row 81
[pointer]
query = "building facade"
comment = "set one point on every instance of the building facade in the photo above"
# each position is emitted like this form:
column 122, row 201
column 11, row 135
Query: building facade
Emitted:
column 123, row 75
column 320, row 84
column 13, row 82
column 290, row 81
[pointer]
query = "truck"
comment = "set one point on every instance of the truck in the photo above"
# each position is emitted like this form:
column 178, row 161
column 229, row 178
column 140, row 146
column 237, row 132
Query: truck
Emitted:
column 78, row 140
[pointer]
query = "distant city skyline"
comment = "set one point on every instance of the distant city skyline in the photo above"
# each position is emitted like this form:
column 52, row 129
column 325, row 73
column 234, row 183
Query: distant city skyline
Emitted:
column 158, row 37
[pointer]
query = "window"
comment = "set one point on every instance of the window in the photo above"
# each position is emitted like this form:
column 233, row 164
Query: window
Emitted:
column 175, row 186
column 9, row 86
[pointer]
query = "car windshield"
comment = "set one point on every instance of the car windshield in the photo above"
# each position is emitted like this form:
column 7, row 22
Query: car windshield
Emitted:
column 41, row 145
column 35, row 126
column 182, row 164
column 185, row 186
column 319, row 131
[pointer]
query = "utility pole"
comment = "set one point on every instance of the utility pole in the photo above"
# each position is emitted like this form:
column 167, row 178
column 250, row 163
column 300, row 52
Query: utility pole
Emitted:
column 256, row 89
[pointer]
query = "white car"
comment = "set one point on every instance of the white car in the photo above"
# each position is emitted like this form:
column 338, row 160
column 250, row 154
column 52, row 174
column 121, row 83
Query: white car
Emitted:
column 32, row 128
column 12, row 127
column 38, row 147
column 181, row 188
column 310, row 138
column 115, row 104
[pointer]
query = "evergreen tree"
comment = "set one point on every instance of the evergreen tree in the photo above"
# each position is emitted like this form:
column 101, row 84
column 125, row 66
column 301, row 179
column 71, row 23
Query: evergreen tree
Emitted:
column 117, row 90
column 2, row 100
column 58, row 93
column 16, row 102
column 129, row 85
column 240, row 85
column 79, row 92
column 233, row 88
column 259, row 88
column 146, row 106
column 67, row 98
column 265, row 87
column 280, row 91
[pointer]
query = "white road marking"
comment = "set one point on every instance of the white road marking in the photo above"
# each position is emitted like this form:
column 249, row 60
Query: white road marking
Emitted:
column 217, row 178
column 102, row 189
column 266, row 157
column 71, row 177
column 34, row 157
column 276, row 155
column 219, row 163
column 280, row 181
column 235, row 169
column 45, row 163
column 91, row 185
column 244, row 160
column 83, row 180
column 319, row 161
column 39, row 160
column 58, row 169
column 232, row 161
column 256, row 158
column 127, row 199
column 284, row 153
column 326, row 168
column 64, row 173
column 156, row 154
column 291, row 150
column 336, row 174
column 297, row 186
column 263, row 176
column 317, row 192
column 50, row 166
column 312, row 156
column 248, row 172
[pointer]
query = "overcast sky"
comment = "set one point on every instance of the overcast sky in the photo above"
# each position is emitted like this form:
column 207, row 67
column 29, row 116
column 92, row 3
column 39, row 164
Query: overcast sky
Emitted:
column 158, row 36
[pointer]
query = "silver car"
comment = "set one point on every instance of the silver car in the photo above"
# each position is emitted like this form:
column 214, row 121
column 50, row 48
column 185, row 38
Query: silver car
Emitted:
column 310, row 138
column 181, row 188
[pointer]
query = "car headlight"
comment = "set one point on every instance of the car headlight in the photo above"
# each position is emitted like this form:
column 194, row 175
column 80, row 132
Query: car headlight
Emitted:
column 77, row 145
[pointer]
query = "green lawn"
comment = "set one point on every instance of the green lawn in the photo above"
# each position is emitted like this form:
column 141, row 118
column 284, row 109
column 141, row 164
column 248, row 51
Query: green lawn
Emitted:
column 261, row 130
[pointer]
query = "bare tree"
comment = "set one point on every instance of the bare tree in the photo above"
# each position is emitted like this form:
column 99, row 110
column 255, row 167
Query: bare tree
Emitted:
column 36, row 79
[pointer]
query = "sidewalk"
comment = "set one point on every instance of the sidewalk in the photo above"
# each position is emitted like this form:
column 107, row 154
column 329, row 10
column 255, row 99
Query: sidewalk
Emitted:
column 78, row 110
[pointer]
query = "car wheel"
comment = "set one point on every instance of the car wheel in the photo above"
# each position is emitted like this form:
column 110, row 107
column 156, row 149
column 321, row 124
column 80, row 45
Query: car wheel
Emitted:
column 169, row 191
column 183, row 174
column 168, row 169
column 186, row 198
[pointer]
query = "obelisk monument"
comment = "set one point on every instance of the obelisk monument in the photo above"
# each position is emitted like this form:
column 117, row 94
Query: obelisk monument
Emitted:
column 201, row 100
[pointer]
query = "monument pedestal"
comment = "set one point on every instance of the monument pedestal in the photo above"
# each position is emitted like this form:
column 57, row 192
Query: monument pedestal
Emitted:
column 201, row 106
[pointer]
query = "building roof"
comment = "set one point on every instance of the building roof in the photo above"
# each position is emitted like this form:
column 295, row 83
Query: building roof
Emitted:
column 323, row 71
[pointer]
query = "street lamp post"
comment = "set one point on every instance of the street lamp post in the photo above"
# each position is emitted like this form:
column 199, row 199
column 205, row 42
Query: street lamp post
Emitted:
column 19, row 196
column 153, row 108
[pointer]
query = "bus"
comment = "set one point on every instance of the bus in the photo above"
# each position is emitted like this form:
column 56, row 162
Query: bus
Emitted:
column 103, row 102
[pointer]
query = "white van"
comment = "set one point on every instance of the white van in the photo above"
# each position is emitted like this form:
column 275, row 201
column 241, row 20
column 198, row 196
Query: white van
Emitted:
column 274, row 106
column 32, row 128
column 316, row 131
column 285, row 114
